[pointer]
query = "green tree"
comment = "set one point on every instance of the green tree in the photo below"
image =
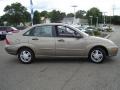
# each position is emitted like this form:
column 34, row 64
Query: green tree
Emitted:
column 94, row 12
column 80, row 14
column 70, row 15
column 1, row 22
column 36, row 17
column 56, row 16
column 44, row 14
column 17, row 13
column 27, row 17
column 63, row 14
column 3, row 18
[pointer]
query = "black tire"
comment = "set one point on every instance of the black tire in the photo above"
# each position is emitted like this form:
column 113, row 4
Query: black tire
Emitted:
column 26, row 55
column 97, row 55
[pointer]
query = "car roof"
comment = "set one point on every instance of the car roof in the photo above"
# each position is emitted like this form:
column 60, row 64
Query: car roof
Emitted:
column 52, row 24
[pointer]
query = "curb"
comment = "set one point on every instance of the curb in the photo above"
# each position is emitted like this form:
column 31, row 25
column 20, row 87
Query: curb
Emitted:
column 107, row 36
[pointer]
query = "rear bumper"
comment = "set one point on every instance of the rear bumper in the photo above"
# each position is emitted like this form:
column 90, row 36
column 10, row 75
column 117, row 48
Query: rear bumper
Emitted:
column 11, row 50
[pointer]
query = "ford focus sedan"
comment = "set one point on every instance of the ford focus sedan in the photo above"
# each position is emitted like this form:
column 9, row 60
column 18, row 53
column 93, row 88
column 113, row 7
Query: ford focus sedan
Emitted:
column 58, row 40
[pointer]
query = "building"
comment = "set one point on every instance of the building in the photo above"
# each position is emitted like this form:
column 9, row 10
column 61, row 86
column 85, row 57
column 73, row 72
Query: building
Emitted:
column 71, row 20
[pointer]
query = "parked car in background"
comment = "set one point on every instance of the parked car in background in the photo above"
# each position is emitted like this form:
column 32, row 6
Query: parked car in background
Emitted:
column 58, row 40
column 90, row 28
column 9, row 29
column 2, row 33
column 86, row 29
column 81, row 28
column 105, row 27
column 4, row 30
column 21, row 27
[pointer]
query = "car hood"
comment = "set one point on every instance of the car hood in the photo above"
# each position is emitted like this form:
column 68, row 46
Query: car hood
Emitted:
column 100, row 41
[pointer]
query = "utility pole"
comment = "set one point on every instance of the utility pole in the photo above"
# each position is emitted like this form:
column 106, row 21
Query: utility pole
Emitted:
column 104, row 17
column 91, row 19
column 97, row 21
column 74, row 6
column 32, row 13
column 113, row 10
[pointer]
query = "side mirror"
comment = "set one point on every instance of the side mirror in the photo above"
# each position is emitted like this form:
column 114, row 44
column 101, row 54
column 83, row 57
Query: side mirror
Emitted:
column 78, row 36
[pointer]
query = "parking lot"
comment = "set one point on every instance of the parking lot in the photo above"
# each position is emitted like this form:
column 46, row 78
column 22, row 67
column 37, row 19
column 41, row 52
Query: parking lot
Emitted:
column 60, row 74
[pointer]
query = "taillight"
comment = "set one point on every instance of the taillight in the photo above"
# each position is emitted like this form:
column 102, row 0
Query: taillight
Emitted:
column 7, row 41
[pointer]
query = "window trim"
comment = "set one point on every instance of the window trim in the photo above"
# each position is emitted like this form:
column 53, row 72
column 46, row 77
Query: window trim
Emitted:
column 57, row 35
column 28, row 31
column 53, row 33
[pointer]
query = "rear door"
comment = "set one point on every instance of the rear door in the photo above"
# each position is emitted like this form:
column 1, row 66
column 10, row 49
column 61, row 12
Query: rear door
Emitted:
column 42, row 39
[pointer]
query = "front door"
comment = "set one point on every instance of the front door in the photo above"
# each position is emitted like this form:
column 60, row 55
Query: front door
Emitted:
column 67, row 44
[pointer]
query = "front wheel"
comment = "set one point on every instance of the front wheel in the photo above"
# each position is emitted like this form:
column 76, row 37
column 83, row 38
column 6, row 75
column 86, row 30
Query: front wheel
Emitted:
column 26, row 55
column 97, row 55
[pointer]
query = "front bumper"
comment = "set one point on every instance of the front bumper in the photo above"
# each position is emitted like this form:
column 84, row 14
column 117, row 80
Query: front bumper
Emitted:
column 113, row 51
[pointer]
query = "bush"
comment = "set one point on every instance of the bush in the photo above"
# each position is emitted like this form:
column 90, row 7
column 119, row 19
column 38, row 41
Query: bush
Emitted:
column 91, row 33
column 109, row 30
column 97, row 33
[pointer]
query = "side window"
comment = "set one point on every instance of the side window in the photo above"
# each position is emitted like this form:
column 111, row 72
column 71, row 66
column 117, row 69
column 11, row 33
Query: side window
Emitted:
column 40, row 31
column 63, row 31
column 29, row 32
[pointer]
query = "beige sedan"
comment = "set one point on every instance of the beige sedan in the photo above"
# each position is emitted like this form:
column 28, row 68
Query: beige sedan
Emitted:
column 58, row 40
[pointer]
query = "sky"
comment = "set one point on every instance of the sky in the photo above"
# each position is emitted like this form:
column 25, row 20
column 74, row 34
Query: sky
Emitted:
column 66, row 5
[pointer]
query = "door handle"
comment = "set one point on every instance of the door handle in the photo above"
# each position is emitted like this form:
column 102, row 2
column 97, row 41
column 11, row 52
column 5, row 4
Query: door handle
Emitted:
column 60, row 40
column 35, row 39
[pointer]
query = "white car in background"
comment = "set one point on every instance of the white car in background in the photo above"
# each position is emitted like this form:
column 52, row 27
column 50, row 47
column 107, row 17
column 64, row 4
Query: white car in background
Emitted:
column 81, row 28
column 104, row 27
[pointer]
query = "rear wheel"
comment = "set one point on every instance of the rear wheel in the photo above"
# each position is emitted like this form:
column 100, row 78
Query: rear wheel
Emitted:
column 26, row 55
column 97, row 55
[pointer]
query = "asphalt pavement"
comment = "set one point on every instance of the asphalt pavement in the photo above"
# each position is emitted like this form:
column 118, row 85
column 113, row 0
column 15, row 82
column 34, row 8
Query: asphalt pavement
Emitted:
column 60, row 74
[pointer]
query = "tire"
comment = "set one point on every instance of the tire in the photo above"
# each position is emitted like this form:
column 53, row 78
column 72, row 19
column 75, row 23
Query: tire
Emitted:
column 26, row 55
column 97, row 55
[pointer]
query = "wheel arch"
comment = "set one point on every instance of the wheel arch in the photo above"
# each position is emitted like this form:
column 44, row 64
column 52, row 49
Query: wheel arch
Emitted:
column 99, row 46
column 25, row 47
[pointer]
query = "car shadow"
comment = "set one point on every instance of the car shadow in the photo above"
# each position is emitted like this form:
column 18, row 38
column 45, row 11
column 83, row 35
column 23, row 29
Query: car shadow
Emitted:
column 109, row 60
column 70, row 60
column 61, row 60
